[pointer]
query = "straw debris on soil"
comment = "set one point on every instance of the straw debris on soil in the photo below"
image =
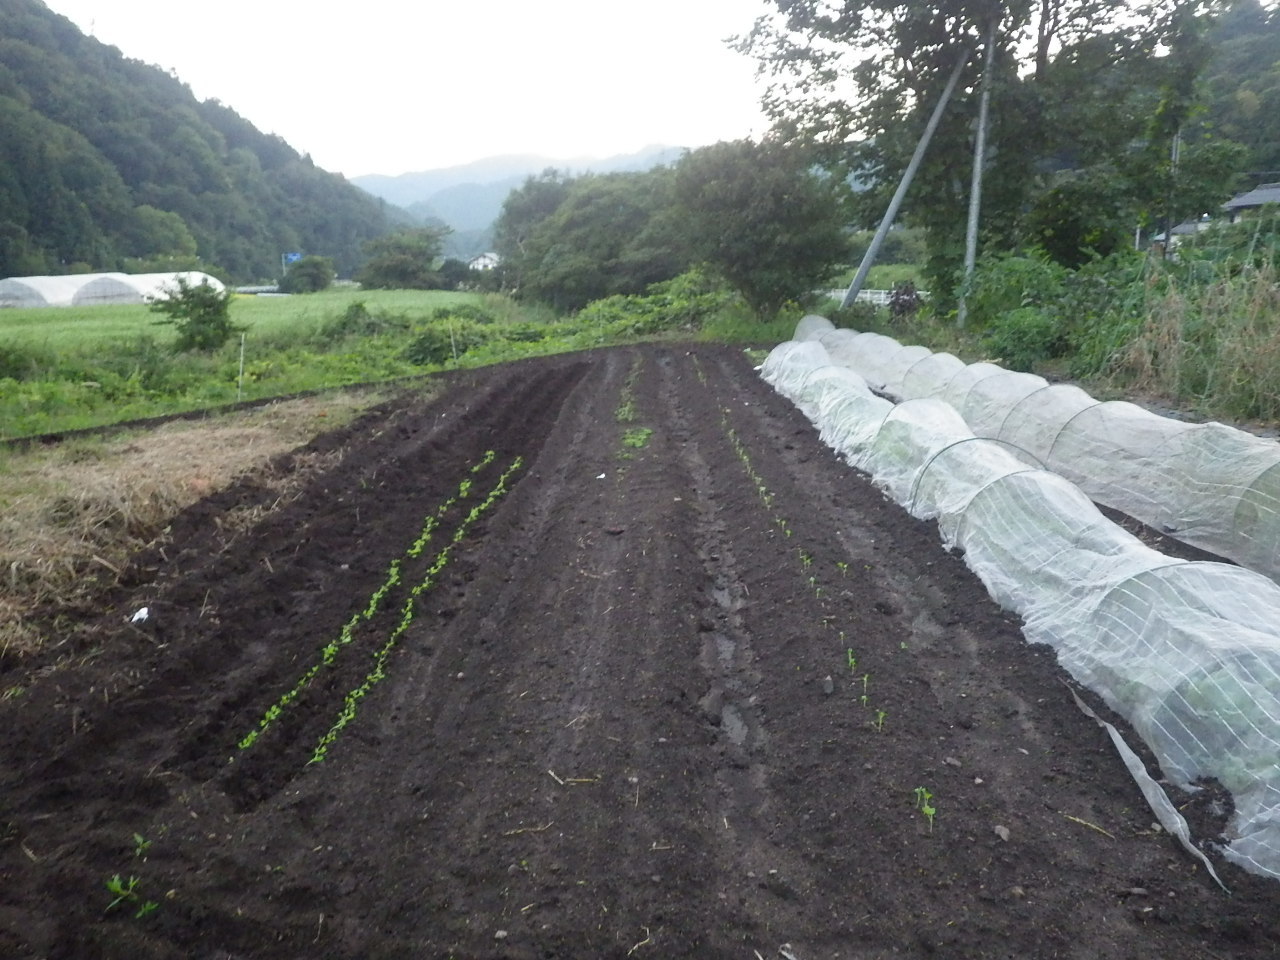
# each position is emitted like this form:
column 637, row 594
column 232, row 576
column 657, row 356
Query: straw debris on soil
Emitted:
column 71, row 514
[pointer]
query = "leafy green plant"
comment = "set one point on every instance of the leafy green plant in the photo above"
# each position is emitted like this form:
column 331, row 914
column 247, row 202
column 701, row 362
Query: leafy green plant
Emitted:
column 127, row 893
column 636, row 437
column 853, row 661
column 924, row 803
column 140, row 844
column 880, row 718
column 200, row 313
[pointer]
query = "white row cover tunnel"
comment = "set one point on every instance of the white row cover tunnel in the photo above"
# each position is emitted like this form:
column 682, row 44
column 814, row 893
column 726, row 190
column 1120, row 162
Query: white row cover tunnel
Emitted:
column 1209, row 485
column 1187, row 652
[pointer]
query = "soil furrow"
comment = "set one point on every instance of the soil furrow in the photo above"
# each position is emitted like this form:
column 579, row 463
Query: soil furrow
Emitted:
column 675, row 692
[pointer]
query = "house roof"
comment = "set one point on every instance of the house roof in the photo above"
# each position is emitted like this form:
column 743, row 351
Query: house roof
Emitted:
column 1264, row 193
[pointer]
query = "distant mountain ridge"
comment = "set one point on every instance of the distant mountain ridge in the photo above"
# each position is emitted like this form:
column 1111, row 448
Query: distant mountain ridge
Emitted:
column 108, row 163
column 469, row 197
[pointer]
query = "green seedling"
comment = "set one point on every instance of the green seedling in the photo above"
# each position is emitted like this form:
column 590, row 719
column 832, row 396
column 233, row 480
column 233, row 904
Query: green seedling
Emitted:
column 636, row 437
column 806, row 561
column 924, row 803
column 853, row 661
column 864, row 700
column 128, row 893
column 140, row 844
column 880, row 716
column 843, row 568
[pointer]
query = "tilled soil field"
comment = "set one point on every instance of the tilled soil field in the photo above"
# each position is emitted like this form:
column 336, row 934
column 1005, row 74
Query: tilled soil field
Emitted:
column 601, row 655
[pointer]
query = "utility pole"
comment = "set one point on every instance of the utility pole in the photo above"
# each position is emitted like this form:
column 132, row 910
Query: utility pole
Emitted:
column 975, row 185
column 889, row 215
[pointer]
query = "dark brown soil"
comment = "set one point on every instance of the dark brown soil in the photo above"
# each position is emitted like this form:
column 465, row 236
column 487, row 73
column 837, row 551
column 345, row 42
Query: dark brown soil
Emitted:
column 607, row 730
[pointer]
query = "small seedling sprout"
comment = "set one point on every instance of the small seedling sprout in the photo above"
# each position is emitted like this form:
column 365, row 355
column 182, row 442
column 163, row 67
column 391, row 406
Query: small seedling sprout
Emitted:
column 924, row 803
column 880, row 715
column 853, row 661
column 140, row 844
column 843, row 567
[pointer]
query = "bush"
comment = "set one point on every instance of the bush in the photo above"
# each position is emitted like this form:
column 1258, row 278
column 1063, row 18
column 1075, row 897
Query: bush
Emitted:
column 441, row 341
column 357, row 321
column 202, row 315
column 1009, row 282
column 308, row 275
column 1023, row 337
column 463, row 311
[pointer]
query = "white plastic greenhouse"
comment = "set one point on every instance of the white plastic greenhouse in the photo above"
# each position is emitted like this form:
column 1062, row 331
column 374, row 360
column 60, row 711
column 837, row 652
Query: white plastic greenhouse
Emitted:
column 42, row 291
column 1187, row 652
column 138, row 287
column 1210, row 485
column 86, row 289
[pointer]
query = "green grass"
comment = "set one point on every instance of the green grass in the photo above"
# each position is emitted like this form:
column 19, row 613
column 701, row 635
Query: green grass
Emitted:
column 883, row 276
column 77, row 328
column 65, row 369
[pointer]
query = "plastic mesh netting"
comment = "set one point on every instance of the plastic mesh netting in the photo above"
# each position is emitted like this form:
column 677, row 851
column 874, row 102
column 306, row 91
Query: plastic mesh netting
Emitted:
column 1207, row 484
column 1187, row 652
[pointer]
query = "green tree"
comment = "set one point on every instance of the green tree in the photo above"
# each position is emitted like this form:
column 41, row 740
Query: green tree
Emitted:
column 568, row 242
column 310, row 274
column 1072, row 88
column 201, row 313
column 404, row 260
column 764, row 218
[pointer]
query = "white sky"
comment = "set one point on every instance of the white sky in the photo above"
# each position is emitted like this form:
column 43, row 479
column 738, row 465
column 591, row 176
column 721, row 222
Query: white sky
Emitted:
column 388, row 86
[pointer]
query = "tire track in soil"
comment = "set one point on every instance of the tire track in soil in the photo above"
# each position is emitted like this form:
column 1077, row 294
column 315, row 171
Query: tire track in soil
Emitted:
column 623, row 655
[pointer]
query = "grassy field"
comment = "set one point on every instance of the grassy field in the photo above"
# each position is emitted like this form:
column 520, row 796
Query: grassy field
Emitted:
column 75, row 328
column 64, row 369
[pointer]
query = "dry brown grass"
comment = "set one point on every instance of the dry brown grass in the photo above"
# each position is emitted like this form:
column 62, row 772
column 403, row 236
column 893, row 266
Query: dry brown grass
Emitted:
column 71, row 515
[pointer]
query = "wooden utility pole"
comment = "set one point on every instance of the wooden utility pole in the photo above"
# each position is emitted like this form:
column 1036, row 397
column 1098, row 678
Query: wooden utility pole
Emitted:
column 975, row 184
column 872, row 251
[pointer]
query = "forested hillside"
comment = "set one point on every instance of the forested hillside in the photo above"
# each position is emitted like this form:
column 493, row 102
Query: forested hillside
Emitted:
column 107, row 163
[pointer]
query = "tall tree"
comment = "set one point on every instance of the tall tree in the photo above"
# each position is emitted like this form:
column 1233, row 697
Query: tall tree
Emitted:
column 764, row 218
column 568, row 242
column 404, row 260
column 1054, row 57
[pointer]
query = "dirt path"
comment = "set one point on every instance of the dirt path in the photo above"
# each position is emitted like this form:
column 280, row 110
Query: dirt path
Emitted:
column 601, row 727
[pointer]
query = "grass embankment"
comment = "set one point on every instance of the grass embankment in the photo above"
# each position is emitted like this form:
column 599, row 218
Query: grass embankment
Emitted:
column 62, row 369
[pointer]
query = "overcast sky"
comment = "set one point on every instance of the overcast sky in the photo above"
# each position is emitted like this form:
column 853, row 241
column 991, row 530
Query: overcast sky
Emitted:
column 384, row 86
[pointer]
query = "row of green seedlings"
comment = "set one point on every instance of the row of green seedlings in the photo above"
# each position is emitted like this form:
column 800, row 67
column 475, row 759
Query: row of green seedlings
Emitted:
column 346, row 636
column 633, row 438
column 626, row 411
column 806, row 560
column 378, row 673
column 924, row 798
column 766, row 495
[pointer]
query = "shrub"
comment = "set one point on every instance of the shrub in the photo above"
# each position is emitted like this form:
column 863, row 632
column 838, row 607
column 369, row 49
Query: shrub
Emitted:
column 1023, row 337
column 444, row 340
column 201, row 314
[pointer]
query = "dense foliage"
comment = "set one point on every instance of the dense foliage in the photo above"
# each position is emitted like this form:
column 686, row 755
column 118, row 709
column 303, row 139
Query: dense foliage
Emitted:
column 567, row 241
column 104, row 159
column 760, row 216
column 405, row 260
column 1087, row 105
column 308, row 275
